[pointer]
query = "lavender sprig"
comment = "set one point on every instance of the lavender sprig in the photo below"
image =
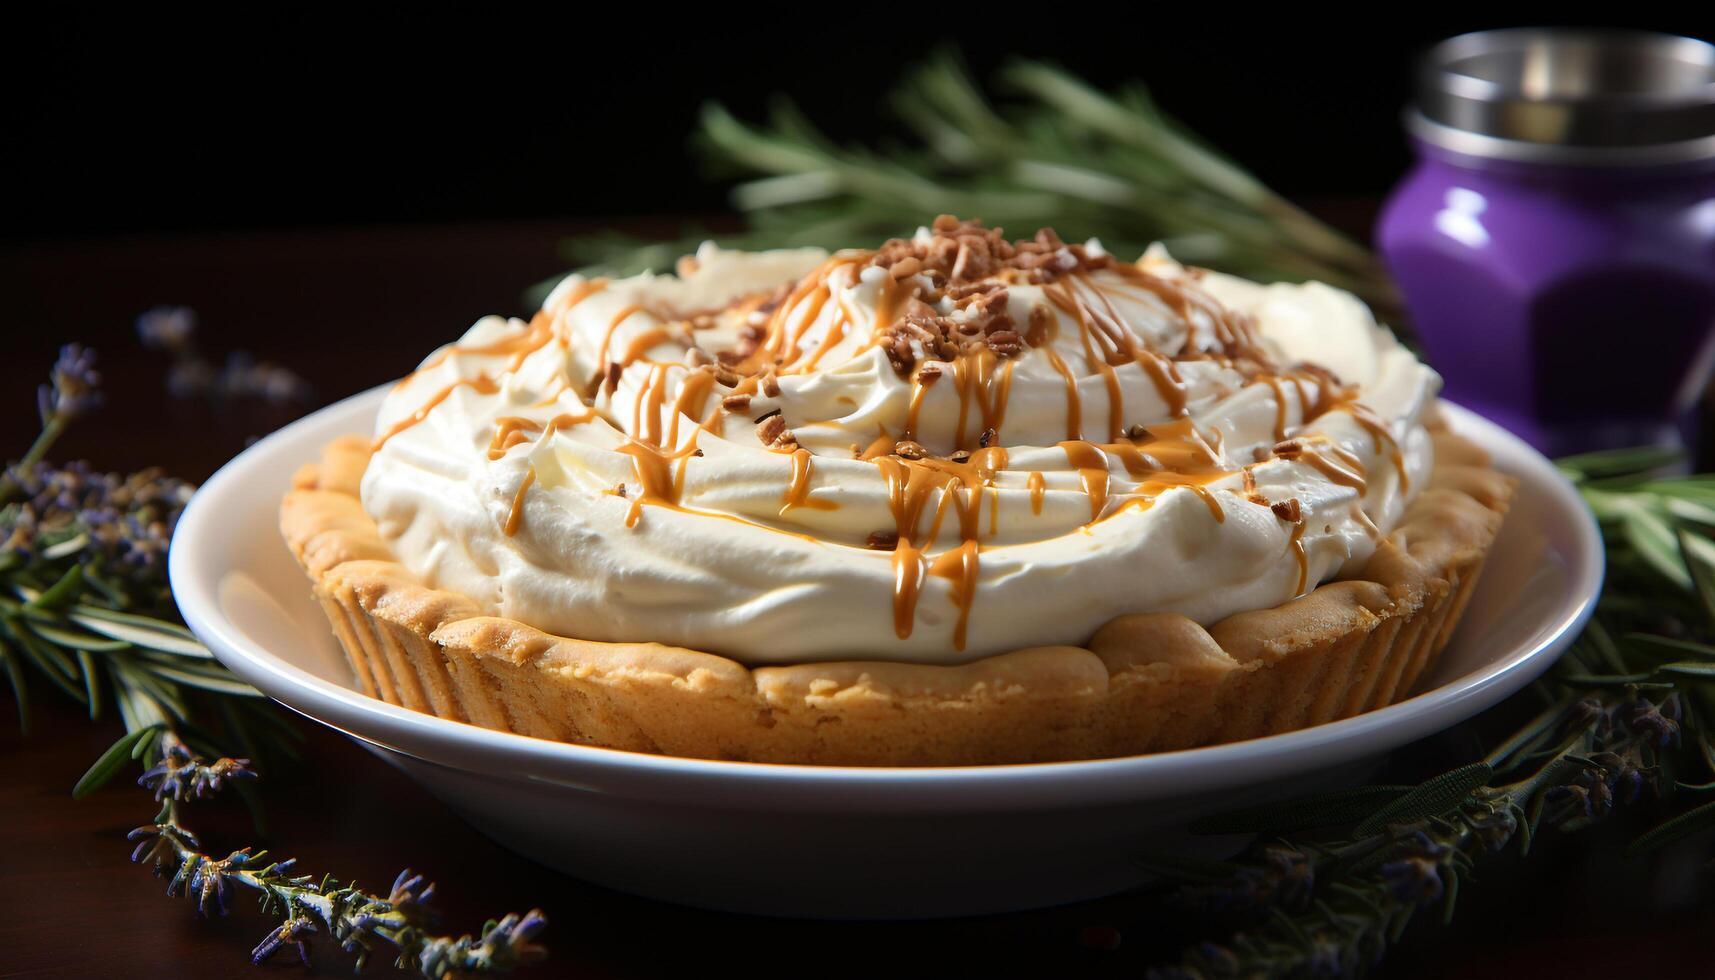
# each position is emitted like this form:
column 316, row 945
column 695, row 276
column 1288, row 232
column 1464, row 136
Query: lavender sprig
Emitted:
column 84, row 598
column 307, row 906
column 1337, row 907
column 1630, row 717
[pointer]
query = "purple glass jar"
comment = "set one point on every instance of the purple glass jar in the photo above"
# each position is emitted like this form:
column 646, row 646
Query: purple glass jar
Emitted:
column 1555, row 241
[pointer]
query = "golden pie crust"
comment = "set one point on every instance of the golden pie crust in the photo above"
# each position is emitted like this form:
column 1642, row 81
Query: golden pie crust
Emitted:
column 1143, row 683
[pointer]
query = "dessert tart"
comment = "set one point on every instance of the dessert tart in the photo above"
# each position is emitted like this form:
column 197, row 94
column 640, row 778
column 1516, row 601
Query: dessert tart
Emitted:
column 957, row 500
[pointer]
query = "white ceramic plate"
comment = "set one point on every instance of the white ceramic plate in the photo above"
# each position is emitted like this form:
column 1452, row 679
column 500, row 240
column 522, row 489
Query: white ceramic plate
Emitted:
column 827, row 841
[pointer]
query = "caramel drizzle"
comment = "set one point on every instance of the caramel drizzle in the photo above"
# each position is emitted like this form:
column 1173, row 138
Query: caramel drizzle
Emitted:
column 798, row 490
column 607, row 341
column 780, row 349
column 1175, row 456
column 1344, row 469
column 1381, row 439
column 836, row 333
column 521, row 345
column 1296, row 544
column 1092, row 466
column 660, row 482
column 482, row 384
column 959, row 486
column 1280, row 405
column 1074, row 403
column 515, row 516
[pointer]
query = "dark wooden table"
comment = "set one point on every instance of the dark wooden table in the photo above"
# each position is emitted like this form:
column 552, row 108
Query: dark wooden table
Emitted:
column 351, row 309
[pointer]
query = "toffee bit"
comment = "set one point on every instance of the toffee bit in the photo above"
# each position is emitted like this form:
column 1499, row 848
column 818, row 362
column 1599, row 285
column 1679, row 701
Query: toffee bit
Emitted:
column 1288, row 510
column 909, row 449
column 882, row 541
column 1136, row 432
column 774, row 433
column 726, row 377
column 988, row 438
column 960, row 456
column 1005, row 343
column 1289, row 449
column 928, row 373
column 906, row 267
column 736, row 403
column 618, row 490
column 770, row 428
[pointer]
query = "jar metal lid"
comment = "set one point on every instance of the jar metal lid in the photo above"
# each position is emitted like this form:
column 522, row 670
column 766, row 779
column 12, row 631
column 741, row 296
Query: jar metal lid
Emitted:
column 1561, row 95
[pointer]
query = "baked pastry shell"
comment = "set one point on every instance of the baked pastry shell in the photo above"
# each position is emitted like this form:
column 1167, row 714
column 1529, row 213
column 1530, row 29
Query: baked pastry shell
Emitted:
column 1142, row 683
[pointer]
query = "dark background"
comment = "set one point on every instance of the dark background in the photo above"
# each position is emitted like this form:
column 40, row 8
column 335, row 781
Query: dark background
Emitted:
column 398, row 114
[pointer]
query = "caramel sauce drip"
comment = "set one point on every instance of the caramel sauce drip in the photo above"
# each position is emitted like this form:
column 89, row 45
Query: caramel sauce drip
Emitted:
column 511, row 430
column 1174, row 456
column 646, row 411
column 1381, row 439
column 1074, row 403
column 1037, row 491
column 1092, row 466
column 659, row 481
column 960, row 566
column 920, row 384
column 798, row 490
column 693, row 402
column 1297, row 545
column 482, row 384
column 521, row 345
column 836, row 333
column 643, row 343
column 1344, row 469
column 607, row 342
column 515, row 517
column 1279, row 406
column 956, row 485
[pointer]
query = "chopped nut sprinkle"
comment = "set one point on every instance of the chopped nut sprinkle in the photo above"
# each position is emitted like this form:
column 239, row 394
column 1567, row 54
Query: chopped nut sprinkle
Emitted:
column 770, row 428
column 735, row 403
column 1287, row 510
column 883, row 541
column 908, row 449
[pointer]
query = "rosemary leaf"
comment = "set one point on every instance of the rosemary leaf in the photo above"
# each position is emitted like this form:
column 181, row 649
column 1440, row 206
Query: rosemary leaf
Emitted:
column 1431, row 797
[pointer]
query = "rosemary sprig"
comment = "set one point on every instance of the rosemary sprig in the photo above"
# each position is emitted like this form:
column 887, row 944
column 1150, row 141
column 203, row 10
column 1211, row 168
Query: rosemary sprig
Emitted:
column 1629, row 714
column 1062, row 153
column 305, row 905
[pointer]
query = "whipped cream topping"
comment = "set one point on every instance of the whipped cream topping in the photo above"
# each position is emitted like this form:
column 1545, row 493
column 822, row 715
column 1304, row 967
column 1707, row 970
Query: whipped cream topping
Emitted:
column 949, row 448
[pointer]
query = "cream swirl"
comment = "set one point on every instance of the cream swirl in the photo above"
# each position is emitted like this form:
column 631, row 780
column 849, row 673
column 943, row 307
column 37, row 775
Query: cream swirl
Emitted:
column 947, row 449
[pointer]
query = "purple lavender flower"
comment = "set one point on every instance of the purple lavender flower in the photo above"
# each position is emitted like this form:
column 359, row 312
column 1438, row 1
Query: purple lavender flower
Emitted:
column 182, row 776
column 167, row 327
column 295, row 931
column 75, row 389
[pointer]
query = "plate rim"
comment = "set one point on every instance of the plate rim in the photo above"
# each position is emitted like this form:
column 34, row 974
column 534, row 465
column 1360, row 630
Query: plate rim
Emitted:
column 458, row 745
